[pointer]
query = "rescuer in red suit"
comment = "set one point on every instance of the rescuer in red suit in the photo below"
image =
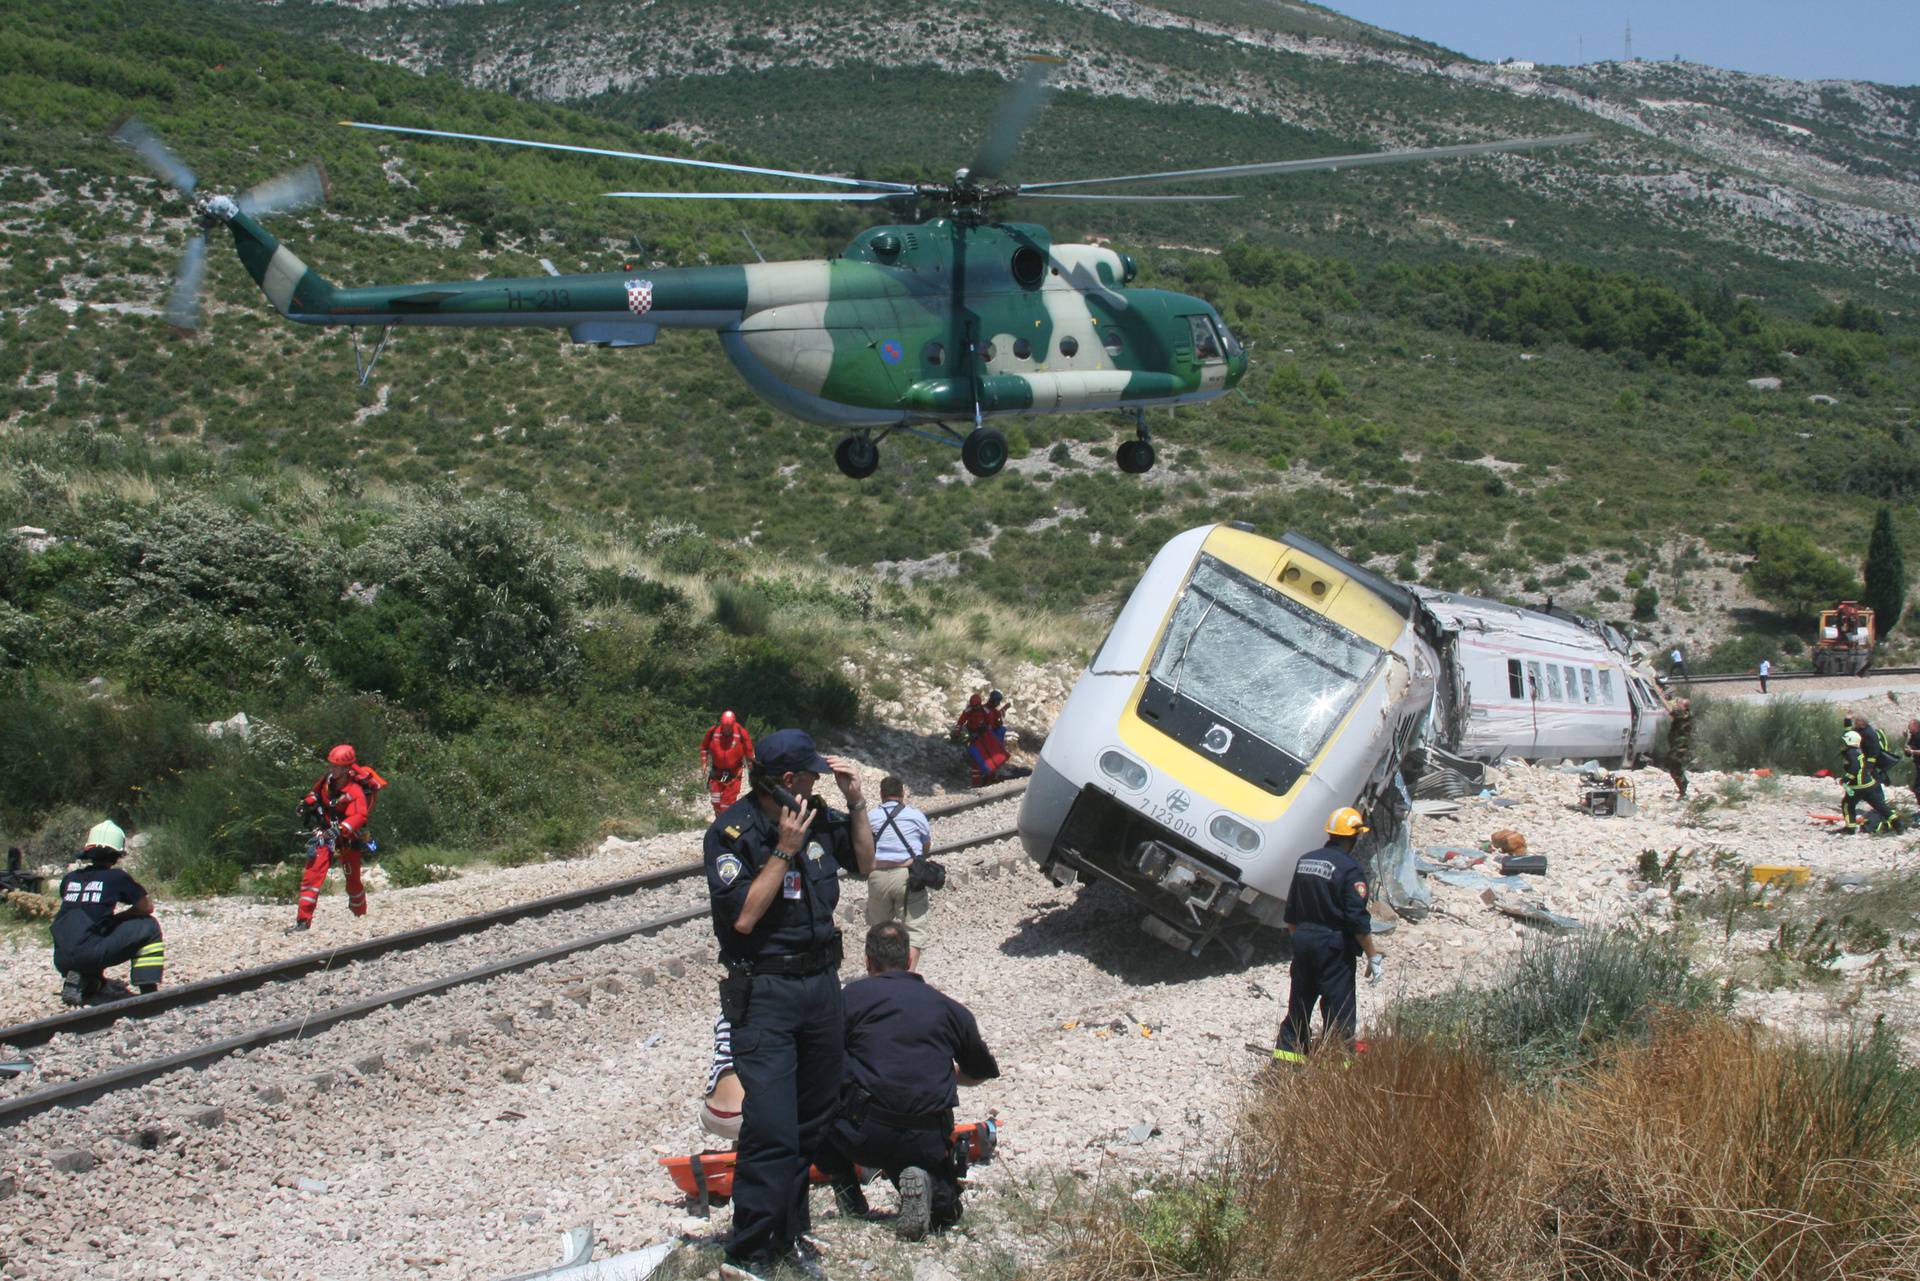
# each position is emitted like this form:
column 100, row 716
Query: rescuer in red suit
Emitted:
column 338, row 806
column 724, row 754
column 974, row 729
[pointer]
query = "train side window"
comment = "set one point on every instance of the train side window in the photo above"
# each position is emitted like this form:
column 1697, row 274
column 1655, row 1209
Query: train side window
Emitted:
column 1553, row 682
column 1573, row 685
column 1586, row 683
column 1516, row 684
column 1606, row 687
column 1533, row 681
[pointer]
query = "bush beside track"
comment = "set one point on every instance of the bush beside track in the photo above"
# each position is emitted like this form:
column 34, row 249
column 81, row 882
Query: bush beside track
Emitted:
column 1655, row 1139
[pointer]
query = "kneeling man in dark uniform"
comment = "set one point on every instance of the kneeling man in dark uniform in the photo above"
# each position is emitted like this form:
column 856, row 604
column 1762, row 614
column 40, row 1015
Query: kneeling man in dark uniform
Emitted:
column 908, row 1048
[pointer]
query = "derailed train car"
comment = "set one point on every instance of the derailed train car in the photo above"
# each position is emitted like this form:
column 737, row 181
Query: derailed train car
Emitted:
column 1250, row 686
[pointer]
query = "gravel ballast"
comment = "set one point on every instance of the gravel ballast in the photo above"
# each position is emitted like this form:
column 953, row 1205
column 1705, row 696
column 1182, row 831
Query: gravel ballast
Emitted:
column 459, row 1135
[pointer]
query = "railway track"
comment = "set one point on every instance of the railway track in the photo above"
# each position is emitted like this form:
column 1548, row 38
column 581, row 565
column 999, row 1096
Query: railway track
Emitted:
column 1731, row 678
column 187, row 1027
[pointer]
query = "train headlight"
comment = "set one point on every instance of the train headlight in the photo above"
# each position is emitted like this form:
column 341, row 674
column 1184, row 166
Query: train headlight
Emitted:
column 1230, row 831
column 1123, row 769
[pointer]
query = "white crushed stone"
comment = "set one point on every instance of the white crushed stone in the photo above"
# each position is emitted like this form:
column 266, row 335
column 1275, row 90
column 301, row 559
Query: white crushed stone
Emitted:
column 504, row 1114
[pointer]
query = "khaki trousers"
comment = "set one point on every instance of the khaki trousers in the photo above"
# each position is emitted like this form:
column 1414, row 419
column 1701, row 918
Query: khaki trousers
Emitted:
column 889, row 899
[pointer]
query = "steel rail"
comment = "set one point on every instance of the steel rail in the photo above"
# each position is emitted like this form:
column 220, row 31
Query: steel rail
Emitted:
column 88, row 1089
column 1727, row 678
column 93, row 1018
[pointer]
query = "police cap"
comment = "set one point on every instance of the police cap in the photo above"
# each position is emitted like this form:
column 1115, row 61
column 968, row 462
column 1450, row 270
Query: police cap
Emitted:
column 791, row 751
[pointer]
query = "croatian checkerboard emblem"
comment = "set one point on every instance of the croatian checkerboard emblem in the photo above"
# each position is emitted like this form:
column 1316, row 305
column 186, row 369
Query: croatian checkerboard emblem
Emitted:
column 639, row 296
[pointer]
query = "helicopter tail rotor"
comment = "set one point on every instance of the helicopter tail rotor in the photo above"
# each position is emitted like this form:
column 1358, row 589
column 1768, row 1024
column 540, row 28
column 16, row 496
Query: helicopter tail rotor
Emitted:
column 299, row 188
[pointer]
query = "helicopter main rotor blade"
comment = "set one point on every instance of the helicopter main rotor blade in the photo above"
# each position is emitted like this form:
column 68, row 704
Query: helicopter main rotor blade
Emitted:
column 295, row 189
column 133, row 132
column 1088, row 195
column 183, row 308
column 839, row 197
column 1017, row 110
column 1362, row 160
column 866, row 183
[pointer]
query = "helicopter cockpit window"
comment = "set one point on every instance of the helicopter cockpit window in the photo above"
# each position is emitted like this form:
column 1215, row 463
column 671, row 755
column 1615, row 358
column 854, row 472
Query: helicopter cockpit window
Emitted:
column 933, row 353
column 1226, row 336
column 1206, row 343
column 1022, row 349
column 1069, row 346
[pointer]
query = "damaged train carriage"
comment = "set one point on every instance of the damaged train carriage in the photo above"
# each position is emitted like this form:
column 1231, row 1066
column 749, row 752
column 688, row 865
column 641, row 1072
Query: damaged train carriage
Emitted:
column 1250, row 686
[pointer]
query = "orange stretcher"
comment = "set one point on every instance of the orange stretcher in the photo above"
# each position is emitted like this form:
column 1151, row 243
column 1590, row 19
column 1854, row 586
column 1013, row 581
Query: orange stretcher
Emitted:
column 706, row 1177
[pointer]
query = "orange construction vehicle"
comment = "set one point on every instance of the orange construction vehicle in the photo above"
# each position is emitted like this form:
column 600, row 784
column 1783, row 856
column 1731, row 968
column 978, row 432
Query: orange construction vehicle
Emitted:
column 1844, row 646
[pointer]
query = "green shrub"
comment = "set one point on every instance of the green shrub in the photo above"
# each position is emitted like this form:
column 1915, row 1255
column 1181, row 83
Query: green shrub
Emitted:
column 741, row 611
column 498, row 593
column 1565, row 1001
column 1790, row 735
column 420, row 866
column 61, row 746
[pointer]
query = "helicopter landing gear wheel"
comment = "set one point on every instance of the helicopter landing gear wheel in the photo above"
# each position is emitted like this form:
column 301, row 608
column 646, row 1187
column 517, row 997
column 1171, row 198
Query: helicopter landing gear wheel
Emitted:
column 1135, row 457
column 984, row 451
column 857, row 456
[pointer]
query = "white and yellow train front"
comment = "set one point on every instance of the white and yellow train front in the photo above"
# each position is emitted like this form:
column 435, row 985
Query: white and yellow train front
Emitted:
column 1248, row 688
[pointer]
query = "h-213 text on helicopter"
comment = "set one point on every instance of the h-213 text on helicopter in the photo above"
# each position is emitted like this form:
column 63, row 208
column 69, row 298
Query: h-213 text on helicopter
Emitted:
column 939, row 324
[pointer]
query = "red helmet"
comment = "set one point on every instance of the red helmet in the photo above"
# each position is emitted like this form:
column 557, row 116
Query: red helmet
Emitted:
column 342, row 755
column 975, row 701
column 726, row 719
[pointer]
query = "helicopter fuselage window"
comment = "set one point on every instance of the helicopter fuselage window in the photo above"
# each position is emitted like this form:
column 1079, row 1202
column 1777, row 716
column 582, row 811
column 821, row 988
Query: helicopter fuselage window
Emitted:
column 1069, row 346
column 1206, row 344
column 987, row 351
column 1111, row 340
column 933, row 353
column 1022, row 349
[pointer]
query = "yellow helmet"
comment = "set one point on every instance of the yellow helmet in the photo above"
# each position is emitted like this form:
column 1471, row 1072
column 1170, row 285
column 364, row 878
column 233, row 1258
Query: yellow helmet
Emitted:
column 1346, row 821
column 1851, row 738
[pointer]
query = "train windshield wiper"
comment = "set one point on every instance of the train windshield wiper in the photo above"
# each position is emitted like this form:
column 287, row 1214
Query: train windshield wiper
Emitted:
column 1179, row 664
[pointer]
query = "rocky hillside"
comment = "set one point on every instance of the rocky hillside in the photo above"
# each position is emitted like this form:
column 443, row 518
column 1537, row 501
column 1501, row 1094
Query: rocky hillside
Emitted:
column 1703, row 167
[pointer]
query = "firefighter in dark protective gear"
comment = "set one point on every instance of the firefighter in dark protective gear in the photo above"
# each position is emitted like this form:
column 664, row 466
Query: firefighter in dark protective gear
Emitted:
column 773, row 863
column 1863, row 788
column 908, row 1047
column 338, row 808
column 1912, row 751
column 724, row 753
column 90, row 936
column 1327, row 917
column 1873, row 746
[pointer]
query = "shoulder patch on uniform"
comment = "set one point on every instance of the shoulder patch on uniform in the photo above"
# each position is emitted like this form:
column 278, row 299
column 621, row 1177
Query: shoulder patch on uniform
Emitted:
column 1362, row 887
column 727, row 869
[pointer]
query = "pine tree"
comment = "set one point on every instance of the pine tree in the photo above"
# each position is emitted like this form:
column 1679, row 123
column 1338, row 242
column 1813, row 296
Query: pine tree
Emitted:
column 1886, row 575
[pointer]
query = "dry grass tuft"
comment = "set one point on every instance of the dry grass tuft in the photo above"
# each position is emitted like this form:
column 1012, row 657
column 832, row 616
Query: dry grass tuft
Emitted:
column 1711, row 1151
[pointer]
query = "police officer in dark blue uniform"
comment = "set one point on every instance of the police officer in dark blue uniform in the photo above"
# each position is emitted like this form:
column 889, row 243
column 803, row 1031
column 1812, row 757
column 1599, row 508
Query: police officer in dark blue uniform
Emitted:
column 908, row 1047
column 1327, row 916
column 773, row 863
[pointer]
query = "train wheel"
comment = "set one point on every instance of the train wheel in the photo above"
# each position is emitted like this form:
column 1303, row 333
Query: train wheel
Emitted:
column 1135, row 457
column 984, row 451
column 857, row 456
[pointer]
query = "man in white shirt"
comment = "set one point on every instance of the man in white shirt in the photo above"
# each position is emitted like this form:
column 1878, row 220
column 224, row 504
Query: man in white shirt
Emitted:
column 1677, row 666
column 1766, row 670
column 901, row 834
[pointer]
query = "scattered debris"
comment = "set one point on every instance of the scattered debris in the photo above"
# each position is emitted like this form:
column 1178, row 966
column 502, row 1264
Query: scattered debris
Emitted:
column 1141, row 1132
column 1529, row 913
column 306, row 1183
column 1508, row 841
column 1780, row 873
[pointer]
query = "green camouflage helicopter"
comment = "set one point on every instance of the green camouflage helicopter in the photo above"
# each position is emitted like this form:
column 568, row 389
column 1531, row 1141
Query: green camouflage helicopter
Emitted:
column 941, row 323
